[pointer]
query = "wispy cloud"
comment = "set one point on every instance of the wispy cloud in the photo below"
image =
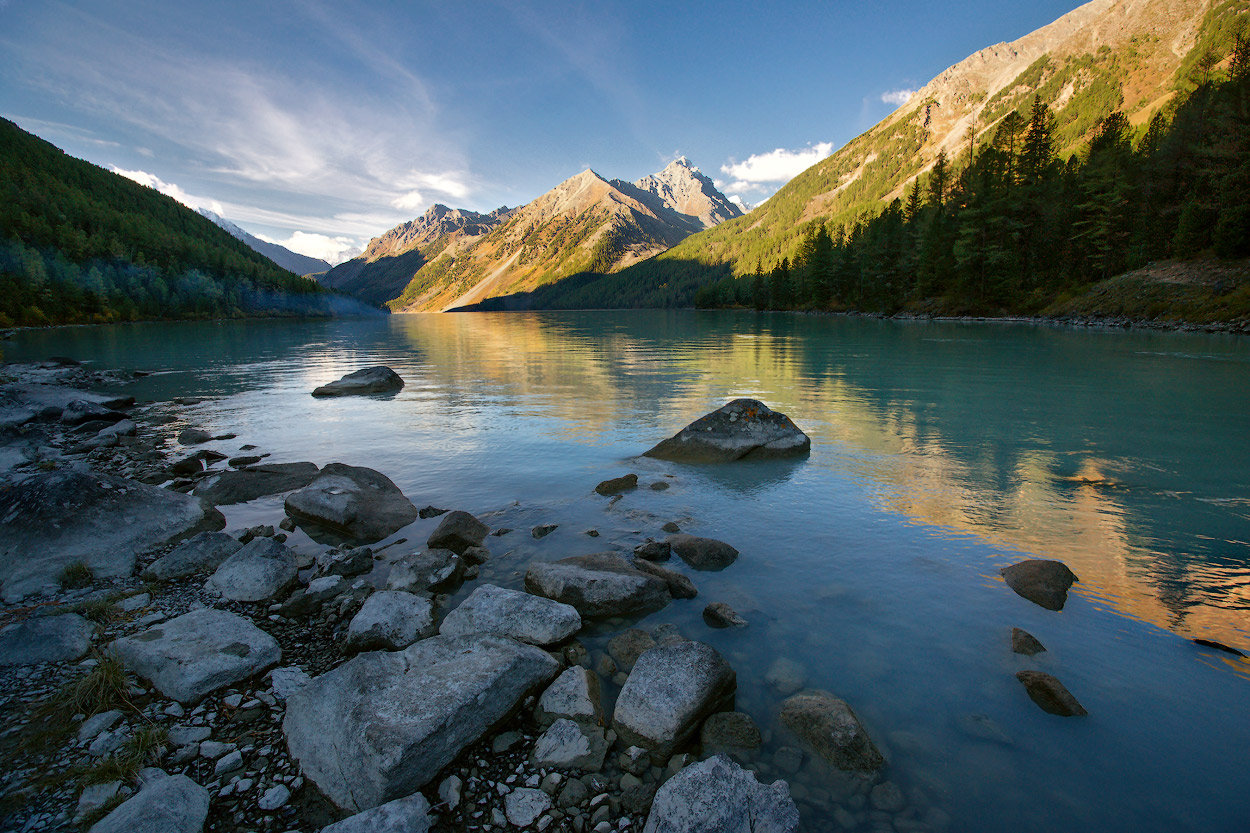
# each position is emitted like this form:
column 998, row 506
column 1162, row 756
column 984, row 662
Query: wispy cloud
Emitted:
column 333, row 250
column 169, row 189
column 765, row 172
column 897, row 97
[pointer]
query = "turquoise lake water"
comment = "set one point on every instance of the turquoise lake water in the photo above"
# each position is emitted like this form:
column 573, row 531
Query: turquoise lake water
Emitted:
column 941, row 451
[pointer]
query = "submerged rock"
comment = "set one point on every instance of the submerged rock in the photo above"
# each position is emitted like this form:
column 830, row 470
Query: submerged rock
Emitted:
column 242, row 485
column 1023, row 642
column 45, row 639
column 458, row 531
column 743, row 429
column 410, row 814
column 829, row 726
column 1219, row 646
column 702, row 553
column 353, row 500
column 718, row 796
column 384, row 724
column 369, row 380
column 721, row 615
column 1050, row 695
column 259, row 571
column 165, row 804
column 628, row 645
column 198, row 554
column 730, row 730
column 679, row 586
column 1042, row 582
column 62, row 517
column 600, row 584
column 522, row 616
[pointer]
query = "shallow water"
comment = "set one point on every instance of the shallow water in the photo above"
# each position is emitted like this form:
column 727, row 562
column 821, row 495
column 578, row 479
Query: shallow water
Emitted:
column 940, row 453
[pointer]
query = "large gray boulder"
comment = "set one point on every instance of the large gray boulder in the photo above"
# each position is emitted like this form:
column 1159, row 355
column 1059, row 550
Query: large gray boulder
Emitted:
column 198, row 554
column 599, row 584
column 410, row 814
column 432, row 570
column 390, row 620
column 522, row 616
column 45, row 639
column 1042, row 582
column 380, row 379
column 197, row 653
column 79, row 411
column 353, row 500
column 259, row 571
column 382, row 725
column 169, row 804
column 829, row 726
column 718, row 796
column 668, row 694
column 575, row 696
column 743, row 429
column 457, row 531
column 55, row 519
column 702, row 553
column 242, row 485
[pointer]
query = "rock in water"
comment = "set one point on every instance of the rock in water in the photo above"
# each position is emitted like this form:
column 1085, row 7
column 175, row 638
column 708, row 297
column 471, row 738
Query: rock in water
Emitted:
column 600, row 584
column 45, row 639
column 353, row 500
column 198, row 554
column 255, row 481
column 380, row 379
column 669, row 692
column 61, row 517
column 616, row 485
column 721, row 615
column 1042, row 582
column 702, row 553
column 390, row 620
column 728, row 730
column 829, row 726
column 679, row 586
column 1219, row 646
column 198, row 653
column 259, row 571
column 718, row 796
column 458, row 531
column 410, row 814
column 743, row 429
column 1050, row 695
column 166, row 804
column 522, row 616
column 384, row 724
column 1023, row 642
column 434, row 570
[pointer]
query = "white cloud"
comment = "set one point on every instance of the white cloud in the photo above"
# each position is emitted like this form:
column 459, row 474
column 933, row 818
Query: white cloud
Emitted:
column 333, row 250
column 412, row 201
column 897, row 97
column 767, row 171
column 741, row 203
column 169, row 189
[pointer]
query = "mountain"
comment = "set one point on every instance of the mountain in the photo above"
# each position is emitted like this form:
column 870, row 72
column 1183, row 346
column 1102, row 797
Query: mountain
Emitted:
column 1135, row 56
column 388, row 263
column 284, row 257
column 79, row 244
column 584, row 223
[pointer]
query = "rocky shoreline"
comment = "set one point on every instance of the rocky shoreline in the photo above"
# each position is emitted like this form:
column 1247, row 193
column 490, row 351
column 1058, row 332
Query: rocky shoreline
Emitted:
column 226, row 681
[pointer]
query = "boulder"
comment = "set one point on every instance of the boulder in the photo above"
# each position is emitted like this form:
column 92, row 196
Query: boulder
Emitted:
column 617, row 485
column 410, row 814
column 829, row 726
column 1023, row 642
column 308, row 600
column 242, row 485
column 57, row 518
column 575, row 696
column 380, row 379
column 600, row 584
column 702, row 553
column 567, row 745
column 458, row 531
column 628, row 645
column 198, row 554
column 653, row 550
column 434, row 570
column 45, row 639
column 718, row 796
column 1042, row 582
column 1050, row 695
column 383, row 725
column 522, row 616
column 79, row 411
column 198, row 653
column 165, row 804
column 679, row 586
column 353, row 500
column 730, row 730
column 390, row 620
column 743, row 429
column 259, row 571
column 721, row 615
column 669, row 692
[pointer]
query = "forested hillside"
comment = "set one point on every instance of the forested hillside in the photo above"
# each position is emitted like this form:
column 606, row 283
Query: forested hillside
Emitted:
column 79, row 244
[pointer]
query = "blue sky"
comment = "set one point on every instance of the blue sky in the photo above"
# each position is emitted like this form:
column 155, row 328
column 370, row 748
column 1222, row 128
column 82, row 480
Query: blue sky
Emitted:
column 320, row 125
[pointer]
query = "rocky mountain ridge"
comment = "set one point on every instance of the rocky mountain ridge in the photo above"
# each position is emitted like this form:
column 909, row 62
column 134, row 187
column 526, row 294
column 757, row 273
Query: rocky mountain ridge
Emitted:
column 281, row 255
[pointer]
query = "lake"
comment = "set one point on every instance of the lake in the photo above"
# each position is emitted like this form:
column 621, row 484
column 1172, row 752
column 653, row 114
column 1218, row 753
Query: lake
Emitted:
column 941, row 452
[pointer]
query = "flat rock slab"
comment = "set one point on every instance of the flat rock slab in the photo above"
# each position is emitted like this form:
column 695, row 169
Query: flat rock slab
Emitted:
column 55, row 396
column 198, row 554
column 259, row 571
column 390, row 620
column 575, row 695
column 743, row 429
column 79, row 411
column 356, row 501
column 522, row 616
column 45, row 639
column 369, row 380
column 458, row 531
column 410, row 814
column 1042, row 582
column 828, row 725
column 1050, row 695
column 669, row 692
column 599, row 584
column 243, row 485
column 199, row 652
column 383, row 725
column 702, row 553
column 169, row 804
column 52, row 520
column 718, row 796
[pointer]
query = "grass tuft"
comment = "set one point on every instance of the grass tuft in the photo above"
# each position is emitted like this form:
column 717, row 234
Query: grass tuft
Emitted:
column 76, row 576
